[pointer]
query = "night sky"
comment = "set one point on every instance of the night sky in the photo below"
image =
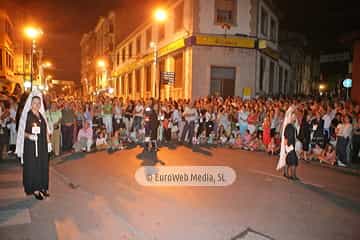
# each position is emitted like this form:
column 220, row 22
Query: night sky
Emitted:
column 65, row 21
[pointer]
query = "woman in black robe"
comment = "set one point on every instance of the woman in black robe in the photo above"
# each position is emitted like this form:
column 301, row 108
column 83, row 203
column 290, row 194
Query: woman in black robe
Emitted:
column 36, row 161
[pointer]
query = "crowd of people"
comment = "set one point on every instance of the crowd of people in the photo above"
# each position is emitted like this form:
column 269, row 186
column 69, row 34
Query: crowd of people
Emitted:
column 328, row 130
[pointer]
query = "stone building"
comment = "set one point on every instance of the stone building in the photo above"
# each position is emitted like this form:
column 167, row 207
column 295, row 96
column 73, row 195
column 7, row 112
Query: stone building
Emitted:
column 224, row 47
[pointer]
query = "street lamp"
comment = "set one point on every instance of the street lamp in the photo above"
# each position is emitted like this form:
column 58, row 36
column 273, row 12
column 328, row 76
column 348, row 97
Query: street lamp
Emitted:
column 42, row 67
column 33, row 33
column 102, row 65
column 46, row 64
column 160, row 16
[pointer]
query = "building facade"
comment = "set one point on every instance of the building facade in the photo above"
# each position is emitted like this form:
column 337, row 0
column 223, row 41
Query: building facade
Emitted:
column 213, row 47
column 7, row 52
column 88, row 63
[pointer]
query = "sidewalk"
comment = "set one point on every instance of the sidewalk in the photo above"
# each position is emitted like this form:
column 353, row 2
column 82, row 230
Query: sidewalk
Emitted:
column 353, row 169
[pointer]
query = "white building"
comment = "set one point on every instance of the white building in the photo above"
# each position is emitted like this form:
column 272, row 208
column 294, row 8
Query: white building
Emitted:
column 226, row 47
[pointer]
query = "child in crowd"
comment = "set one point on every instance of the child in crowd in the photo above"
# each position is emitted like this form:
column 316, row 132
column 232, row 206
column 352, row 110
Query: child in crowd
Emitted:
column 329, row 155
column 255, row 144
column 246, row 139
column 116, row 143
column 273, row 147
column 202, row 137
column 317, row 151
column 101, row 143
column 238, row 142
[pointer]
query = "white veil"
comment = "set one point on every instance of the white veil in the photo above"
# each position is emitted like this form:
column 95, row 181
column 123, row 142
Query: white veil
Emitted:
column 22, row 123
column 282, row 159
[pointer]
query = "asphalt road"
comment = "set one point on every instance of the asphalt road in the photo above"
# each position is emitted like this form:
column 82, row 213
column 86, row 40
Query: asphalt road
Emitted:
column 95, row 196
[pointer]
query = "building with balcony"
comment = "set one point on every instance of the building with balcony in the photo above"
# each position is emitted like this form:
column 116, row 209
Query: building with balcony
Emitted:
column 213, row 47
column 88, row 63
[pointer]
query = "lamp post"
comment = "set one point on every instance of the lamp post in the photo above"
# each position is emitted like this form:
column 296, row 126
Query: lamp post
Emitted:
column 153, row 45
column 160, row 16
column 101, row 64
column 32, row 33
column 42, row 67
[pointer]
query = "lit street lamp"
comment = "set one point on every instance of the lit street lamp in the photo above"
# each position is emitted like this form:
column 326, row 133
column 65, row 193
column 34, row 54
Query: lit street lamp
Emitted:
column 160, row 16
column 33, row 34
column 102, row 65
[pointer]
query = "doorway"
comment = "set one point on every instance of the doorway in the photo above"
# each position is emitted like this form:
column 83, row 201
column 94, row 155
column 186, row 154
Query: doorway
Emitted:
column 222, row 81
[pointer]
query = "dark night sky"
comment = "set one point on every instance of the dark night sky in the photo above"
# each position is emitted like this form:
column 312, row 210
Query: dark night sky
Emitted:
column 64, row 22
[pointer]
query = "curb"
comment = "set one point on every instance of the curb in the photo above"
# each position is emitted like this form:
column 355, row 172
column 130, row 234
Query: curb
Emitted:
column 345, row 170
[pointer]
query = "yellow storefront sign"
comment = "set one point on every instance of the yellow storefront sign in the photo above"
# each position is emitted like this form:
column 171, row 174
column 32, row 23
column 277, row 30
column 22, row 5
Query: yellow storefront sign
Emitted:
column 241, row 42
column 178, row 44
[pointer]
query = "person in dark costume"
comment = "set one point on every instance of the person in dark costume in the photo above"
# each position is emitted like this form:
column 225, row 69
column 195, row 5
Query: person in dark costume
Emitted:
column 151, row 125
column 305, row 134
column 291, row 156
column 32, row 147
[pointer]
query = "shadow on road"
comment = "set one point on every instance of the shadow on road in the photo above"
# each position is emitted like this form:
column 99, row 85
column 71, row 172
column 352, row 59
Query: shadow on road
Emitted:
column 334, row 198
column 199, row 149
column 149, row 158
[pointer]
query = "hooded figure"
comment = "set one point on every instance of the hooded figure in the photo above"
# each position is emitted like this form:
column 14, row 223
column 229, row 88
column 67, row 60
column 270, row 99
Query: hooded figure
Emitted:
column 32, row 146
column 282, row 160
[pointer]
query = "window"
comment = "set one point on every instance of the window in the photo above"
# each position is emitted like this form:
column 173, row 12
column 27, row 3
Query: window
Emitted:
column 273, row 30
column 225, row 11
column 138, row 45
column 123, row 84
column 130, row 85
column 148, row 78
column 179, row 17
column 285, row 81
column 148, row 37
column 222, row 81
column 161, row 35
column 138, row 81
column 262, row 73
column 130, row 50
column 118, row 58
column 123, row 55
column 179, row 68
column 264, row 22
column 271, row 77
column 280, row 79
column 1, row 59
column 8, row 29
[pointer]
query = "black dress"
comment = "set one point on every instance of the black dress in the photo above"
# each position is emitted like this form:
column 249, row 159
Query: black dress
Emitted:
column 305, row 135
column 290, row 135
column 36, row 169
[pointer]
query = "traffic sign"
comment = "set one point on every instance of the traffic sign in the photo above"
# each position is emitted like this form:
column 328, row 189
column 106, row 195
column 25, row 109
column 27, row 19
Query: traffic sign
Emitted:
column 167, row 77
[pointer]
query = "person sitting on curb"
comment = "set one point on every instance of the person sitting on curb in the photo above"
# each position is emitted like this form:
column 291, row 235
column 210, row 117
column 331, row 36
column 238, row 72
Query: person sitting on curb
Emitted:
column 84, row 138
column 329, row 155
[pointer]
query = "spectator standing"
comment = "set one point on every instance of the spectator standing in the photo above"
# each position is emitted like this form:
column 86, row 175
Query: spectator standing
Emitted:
column 107, row 116
column 53, row 116
column 190, row 115
column 343, row 133
column 67, row 127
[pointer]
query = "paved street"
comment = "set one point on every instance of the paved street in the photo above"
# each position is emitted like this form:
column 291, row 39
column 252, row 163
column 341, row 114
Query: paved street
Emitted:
column 95, row 196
